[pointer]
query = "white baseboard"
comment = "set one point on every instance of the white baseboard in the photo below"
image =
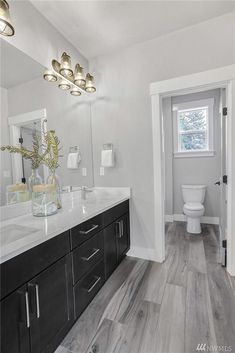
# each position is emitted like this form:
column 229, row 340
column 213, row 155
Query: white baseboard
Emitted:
column 143, row 253
column 169, row 218
column 183, row 218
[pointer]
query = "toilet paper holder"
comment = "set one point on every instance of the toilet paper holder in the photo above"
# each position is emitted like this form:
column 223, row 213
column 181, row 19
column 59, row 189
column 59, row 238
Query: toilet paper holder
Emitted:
column 108, row 146
column 73, row 149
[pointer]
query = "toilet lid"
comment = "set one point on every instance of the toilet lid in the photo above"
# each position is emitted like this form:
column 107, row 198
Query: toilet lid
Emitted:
column 194, row 206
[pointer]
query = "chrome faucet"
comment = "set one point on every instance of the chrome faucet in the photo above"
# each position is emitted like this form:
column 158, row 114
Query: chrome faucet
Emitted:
column 84, row 190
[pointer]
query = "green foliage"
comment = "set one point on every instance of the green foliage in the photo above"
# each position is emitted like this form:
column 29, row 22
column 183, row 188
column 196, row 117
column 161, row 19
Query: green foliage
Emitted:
column 33, row 155
column 50, row 156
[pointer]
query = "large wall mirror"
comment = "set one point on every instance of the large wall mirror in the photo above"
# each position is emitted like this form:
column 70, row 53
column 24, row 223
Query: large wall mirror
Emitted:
column 31, row 105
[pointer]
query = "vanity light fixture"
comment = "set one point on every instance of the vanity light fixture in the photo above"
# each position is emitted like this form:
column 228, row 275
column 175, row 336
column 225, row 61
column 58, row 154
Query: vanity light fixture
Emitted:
column 75, row 92
column 75, row 81
column 79, row 76
column 6, row 28
column 64, row 85
column 65, row 66
column 90, row 84
column 49, row 76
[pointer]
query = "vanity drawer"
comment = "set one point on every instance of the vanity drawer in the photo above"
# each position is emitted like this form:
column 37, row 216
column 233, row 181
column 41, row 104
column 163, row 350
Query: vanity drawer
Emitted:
column 24, row 267
column 86, row 289
column 115, row 212
column 86, row 230
column 87, row 255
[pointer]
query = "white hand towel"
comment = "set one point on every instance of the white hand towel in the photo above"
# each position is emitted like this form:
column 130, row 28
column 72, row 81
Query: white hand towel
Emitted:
column 73, row 160
column 107, row 158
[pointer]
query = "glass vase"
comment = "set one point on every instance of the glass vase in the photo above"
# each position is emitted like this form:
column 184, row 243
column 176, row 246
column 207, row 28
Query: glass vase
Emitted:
column 34, row 179
column 55, row 180
column 44, row 200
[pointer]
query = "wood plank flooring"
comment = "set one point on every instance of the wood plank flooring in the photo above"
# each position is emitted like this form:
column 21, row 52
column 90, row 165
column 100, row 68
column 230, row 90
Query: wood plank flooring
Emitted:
column 146, row 307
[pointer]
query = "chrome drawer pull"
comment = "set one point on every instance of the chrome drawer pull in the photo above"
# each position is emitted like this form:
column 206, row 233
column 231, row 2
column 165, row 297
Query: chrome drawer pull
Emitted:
column 92, row 255
column 119, row 229
column 93, row 285
column 27, row 308
column 122, row 228
column 37, row 301
column 85, row 232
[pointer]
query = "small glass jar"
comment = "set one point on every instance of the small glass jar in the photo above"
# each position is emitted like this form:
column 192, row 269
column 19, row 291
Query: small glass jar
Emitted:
column 44, row 200
column 34, row 179
column 54, row 180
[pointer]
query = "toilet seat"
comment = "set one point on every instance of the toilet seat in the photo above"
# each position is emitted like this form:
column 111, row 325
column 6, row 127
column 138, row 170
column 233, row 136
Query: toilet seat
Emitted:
column 193, row 206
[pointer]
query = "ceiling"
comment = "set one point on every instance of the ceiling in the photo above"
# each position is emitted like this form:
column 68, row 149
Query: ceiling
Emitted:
column 100, row 27
column 16, row 67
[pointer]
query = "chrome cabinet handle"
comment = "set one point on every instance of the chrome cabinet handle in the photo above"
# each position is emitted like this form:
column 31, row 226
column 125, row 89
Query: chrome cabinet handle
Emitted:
column 85, row 232
column 94, row 284
column 92, row 255
column 27, row 309
column 119, row 229
column 122, row 230
column 37, row 301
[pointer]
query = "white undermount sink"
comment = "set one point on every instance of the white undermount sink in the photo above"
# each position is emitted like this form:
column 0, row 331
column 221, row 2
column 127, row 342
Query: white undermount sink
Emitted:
column 13, row 232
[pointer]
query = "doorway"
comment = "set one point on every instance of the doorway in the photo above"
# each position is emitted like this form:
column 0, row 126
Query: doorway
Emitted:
column 194, row 126
column 22, row 127
column 218, row 78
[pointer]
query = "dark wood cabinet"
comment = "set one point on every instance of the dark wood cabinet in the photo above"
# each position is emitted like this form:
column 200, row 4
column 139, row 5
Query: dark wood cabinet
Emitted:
column 110, row 248
column 51, row 307
column 116, row 243
column 36, row 317
column 15, row 322
column 87, row 287
column 123, row 236
column 46, row 288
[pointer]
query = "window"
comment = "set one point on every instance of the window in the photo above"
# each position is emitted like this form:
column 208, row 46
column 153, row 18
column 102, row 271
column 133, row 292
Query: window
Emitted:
column 193, row 128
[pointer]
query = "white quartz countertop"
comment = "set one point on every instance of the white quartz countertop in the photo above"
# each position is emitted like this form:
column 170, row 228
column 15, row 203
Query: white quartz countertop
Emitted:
column 22, row 233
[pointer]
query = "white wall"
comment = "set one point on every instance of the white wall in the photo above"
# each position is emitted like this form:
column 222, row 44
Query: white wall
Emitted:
column 69, row 116
column 122, row 112
column 199, row 170
column 5, row 160
column 37, row 37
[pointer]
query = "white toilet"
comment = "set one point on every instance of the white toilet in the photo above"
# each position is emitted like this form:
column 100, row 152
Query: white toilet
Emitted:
column 194, row 196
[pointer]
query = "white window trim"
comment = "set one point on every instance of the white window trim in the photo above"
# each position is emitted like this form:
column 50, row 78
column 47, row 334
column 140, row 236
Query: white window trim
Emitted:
column 189, row 105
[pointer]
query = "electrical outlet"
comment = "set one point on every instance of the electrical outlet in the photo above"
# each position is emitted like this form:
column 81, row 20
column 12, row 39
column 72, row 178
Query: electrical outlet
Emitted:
column 84, row 172
column 102, row 171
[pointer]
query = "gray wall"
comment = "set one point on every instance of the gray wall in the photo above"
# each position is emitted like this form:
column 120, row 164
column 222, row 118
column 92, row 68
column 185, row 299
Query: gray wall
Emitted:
column 121, row 113
column 194, row 170
column 5, row 160
column 37, row 37
column 69, row 116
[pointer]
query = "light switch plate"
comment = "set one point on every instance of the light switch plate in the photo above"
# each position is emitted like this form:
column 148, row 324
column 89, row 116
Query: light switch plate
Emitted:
column 84, row 172
column 102, row 171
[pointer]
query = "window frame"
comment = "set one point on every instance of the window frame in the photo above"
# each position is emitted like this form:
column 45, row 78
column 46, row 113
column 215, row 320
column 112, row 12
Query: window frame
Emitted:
column 202, row 103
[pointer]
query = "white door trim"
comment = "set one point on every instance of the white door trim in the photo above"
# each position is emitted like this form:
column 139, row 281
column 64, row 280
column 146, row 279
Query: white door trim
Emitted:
column 15, row 122
column 221, row 77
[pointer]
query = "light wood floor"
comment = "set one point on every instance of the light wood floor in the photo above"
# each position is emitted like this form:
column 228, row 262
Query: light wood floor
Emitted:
column 146, row 307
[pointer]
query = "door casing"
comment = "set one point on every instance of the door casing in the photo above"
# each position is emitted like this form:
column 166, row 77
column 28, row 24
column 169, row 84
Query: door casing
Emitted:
column 223, row 77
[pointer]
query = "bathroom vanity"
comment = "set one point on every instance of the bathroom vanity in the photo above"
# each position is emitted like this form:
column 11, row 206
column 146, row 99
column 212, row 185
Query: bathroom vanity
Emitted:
column 49, row 278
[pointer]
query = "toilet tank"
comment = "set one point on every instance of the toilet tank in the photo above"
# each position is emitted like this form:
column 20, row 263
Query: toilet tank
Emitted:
column 194, row 193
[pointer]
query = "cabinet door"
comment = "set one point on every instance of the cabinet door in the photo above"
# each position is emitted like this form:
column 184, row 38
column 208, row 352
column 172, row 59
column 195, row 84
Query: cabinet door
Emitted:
column 110, row 248
column 15, row 322
column 51, row 306
column 123, row 235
